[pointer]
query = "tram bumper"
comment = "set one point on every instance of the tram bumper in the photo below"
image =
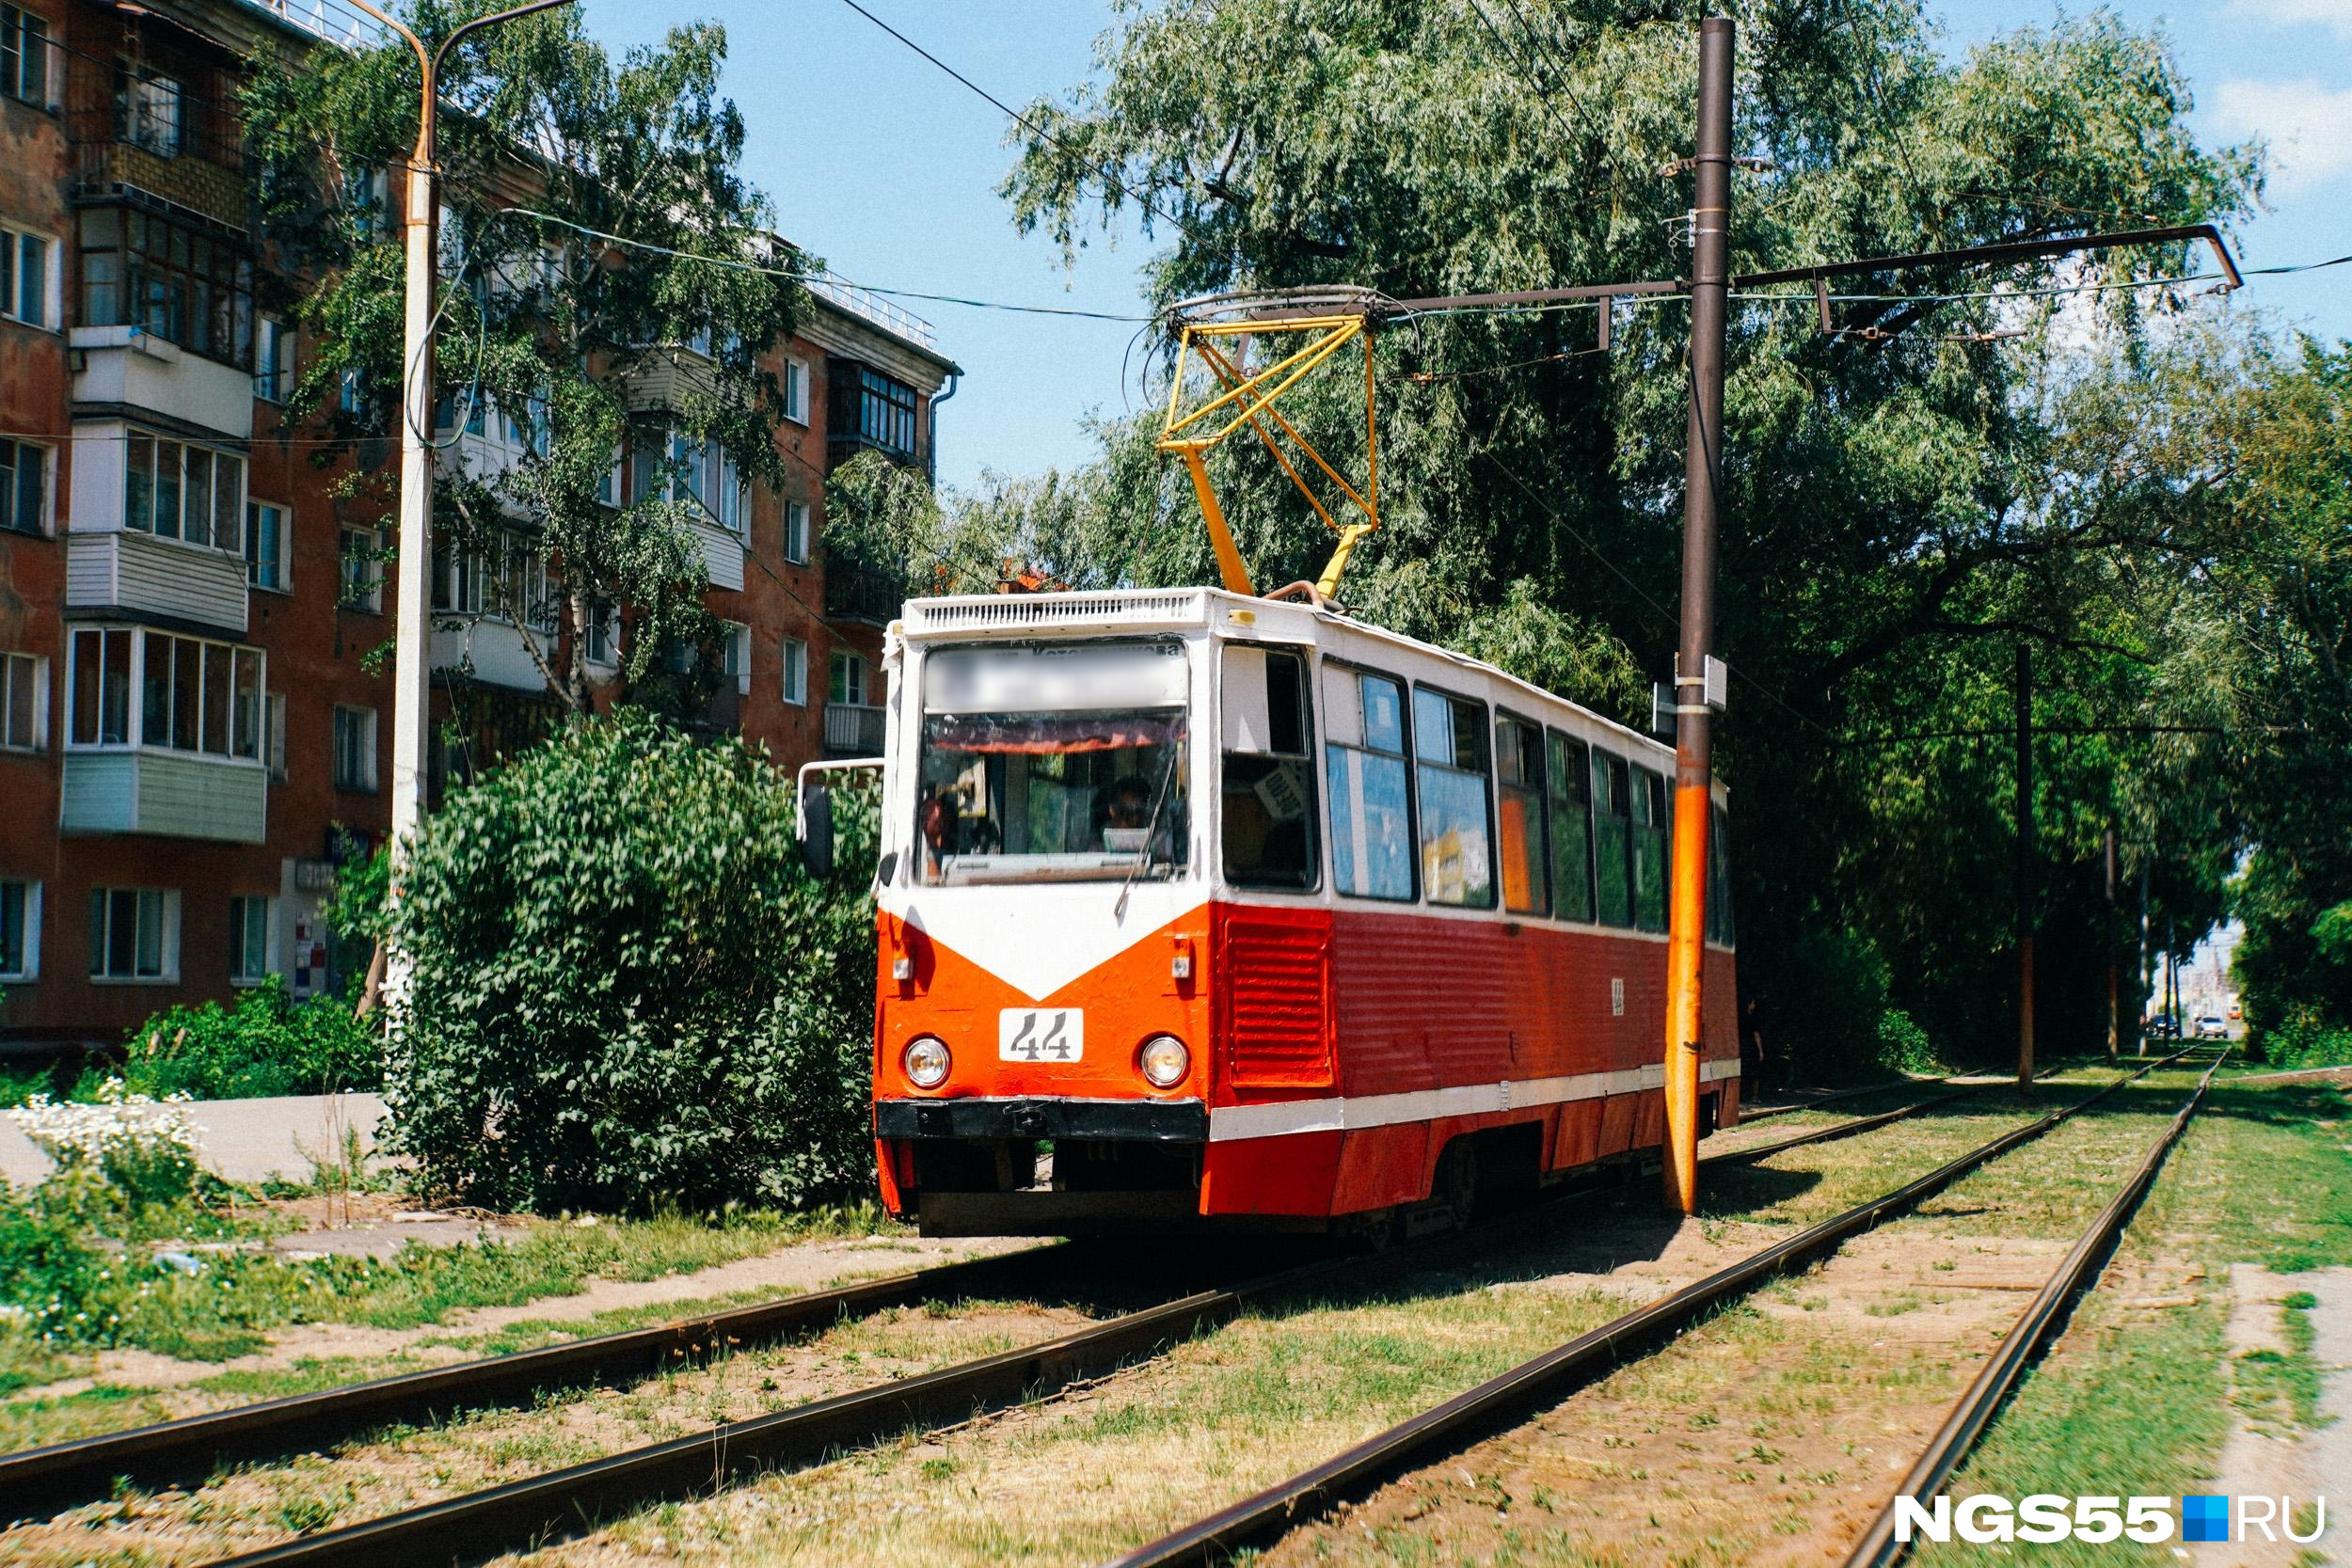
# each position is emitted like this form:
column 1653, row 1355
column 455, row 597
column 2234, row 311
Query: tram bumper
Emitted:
column 1041, row 1165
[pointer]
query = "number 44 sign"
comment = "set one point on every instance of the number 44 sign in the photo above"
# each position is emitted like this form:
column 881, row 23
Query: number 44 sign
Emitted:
column 1040, row 1034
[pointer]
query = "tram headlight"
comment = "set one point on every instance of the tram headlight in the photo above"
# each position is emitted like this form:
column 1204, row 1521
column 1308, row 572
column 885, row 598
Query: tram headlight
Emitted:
column 1165, row 1061
column 927, row 1061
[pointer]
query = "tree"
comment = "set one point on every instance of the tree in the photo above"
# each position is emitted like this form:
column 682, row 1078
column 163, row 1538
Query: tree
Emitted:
column 1904, row 502
column 567, row 347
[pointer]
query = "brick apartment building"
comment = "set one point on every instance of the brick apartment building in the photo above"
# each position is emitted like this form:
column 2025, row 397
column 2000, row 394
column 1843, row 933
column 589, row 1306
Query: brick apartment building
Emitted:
column 187, row 711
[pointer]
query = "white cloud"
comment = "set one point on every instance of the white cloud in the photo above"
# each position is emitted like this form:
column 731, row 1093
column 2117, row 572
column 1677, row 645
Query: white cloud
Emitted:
column 2290, row 13
column 2309, row 128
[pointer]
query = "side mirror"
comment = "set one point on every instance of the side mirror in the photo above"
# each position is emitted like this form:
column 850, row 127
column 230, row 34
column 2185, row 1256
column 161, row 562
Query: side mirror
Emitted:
column 816, row 831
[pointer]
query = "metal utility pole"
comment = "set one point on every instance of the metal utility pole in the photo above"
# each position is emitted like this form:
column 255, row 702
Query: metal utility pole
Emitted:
column 413, row 554
column 2114, row 1018
column 2024, row 869
column 1686, row 940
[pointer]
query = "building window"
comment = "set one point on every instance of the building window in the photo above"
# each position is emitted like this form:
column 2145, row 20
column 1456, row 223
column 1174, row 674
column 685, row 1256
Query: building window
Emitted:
column 274, row 736
column 24, row 277
column 608, row 482
column 795, row 672
column 194, row 695
column 604, row 635
column 23, row 486
column 849, row 679
column 249, row 940
column 363, row 573
column 796, row 533
column 735, row 653
column 796, row 390
column 19, row 930
column 502, row 579
column 177, row 491
column 151, row 114
column 274, row 361
column 355, row 749
column 23, row 56
column 23, row 703
column 133, row 933
column 885, row 411
column 168, row 280
column 267, row 542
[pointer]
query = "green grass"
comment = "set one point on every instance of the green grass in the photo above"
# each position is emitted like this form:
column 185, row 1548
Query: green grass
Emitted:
column 2140, row 1403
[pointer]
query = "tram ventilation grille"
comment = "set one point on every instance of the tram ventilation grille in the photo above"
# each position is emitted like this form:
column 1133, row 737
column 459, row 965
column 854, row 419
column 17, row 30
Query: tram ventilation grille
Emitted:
column 1038, row 610
column 1277, row 1000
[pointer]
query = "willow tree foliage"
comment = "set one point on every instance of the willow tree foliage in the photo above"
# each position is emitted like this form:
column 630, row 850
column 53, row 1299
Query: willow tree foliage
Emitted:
column 1904, row 502
column 568, row 346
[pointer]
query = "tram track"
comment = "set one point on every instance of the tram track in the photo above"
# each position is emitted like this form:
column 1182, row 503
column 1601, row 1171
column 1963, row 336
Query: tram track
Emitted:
column 477, row 1524
column 1545, row 1379
column 39, row 1481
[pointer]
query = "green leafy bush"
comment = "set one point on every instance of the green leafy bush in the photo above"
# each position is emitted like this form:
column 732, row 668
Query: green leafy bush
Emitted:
column 2305, row 1039
column 627, row 992
column 267, row 1044
column 1905, row 1046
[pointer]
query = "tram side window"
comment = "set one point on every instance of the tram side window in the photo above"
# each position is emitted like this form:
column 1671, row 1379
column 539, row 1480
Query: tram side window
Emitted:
column 1269, row 785
column 1649, row 850
column 1613, row 833
column 1453, row 780
column 1519, row 785
column 1364, row 763
column 1719, row 927
column 1568, row 789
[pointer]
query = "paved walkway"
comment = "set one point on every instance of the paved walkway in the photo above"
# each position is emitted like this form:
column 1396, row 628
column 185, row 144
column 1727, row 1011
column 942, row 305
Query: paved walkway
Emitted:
column 241, row 1140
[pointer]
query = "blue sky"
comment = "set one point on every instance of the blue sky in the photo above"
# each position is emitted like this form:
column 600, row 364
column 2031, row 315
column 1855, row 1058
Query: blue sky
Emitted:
column 889, row 169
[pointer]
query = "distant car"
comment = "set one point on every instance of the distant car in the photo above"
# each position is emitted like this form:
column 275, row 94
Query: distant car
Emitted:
column 2162, row 1028
column 2237, row 1012
column 2212, row 1028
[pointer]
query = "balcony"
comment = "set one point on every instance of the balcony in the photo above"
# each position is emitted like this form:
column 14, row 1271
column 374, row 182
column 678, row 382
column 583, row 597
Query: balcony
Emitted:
column 194, row 160
column 487, row 649
column 855, row 730
column 126, row 369
column 174, row 794
column 722, row 554
column 126, row 570
column 855, row 592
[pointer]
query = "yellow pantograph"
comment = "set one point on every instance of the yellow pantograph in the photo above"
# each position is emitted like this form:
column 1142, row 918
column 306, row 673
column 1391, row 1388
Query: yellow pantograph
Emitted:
column 1247, row 398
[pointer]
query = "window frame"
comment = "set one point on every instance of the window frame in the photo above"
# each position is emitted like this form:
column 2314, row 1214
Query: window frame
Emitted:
column 1539, row 790
column 364, row 780
column 17, row 62
column 794, row 653
column 1403, row 755
column 273, row 365
column 1484, row 730
column 13, row 238
column 101, row 944
column 161, row 290
column 735, row 658
column 371, row 602
column 12, row 489
column 32, row 670
column 1580, row 772
column 27, row 900
column 282, row 540
column 244, row 724
column 1307, row 757
column 796, row 373
column 798, row 532
column 842, row 662
column 1653, row 794
column 241, row 935
column 183, row 500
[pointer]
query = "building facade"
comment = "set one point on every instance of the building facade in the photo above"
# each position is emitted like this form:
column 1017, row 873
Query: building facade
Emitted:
column 193, row 717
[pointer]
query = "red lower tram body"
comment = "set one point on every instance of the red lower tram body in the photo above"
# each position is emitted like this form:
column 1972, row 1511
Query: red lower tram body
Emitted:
column 1342, row 1060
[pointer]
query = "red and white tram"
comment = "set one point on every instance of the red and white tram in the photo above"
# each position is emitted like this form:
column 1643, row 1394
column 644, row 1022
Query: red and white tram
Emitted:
column 1196, row 906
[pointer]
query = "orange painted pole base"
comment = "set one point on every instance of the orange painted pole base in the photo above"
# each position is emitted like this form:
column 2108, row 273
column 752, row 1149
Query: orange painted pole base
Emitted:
column 1686, row 949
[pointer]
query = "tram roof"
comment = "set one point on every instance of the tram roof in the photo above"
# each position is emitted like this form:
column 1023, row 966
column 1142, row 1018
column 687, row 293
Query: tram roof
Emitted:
column 1235, row 616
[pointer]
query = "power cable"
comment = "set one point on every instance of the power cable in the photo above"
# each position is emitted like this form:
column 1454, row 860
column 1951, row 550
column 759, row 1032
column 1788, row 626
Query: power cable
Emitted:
column 1518, row 68
column 1544, row 43
column 1102, row 171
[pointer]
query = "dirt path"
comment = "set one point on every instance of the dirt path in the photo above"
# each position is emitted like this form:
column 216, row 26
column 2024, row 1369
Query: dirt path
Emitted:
column 2265, row 1459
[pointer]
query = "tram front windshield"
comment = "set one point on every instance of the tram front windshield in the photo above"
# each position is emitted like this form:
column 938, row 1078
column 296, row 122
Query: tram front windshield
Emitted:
column 1053, row 762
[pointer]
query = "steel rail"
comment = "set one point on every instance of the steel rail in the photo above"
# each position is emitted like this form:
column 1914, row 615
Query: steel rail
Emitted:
column 1551, row 1375
column 39, row 1481
column 2043, row 1318
column 479, row 1524
column 1767, row 1112
column 1864, row 1124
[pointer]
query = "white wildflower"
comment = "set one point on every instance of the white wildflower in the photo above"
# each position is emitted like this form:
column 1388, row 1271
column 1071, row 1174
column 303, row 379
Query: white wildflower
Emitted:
column 120, row 1127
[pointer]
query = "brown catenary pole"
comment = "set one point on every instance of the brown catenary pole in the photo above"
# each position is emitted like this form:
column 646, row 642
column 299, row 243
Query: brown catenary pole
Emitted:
column 2024, row 869
column 1686, row 940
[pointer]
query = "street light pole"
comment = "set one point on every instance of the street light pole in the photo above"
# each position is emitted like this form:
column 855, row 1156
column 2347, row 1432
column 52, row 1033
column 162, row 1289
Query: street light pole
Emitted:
column 413, row 554
column 1693, row 798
